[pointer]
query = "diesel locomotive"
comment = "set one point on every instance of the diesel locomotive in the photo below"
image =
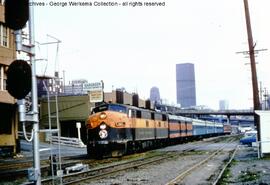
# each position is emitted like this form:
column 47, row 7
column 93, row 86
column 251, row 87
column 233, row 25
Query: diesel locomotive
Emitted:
column 117, row 129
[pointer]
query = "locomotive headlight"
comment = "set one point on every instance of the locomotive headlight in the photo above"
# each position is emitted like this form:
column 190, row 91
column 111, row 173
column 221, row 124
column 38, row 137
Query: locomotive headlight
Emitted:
column 103, row 115
column 102, row 126
column 103, row 134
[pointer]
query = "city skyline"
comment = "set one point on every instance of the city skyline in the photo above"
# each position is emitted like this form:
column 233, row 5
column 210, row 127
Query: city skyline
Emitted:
column 138, row 47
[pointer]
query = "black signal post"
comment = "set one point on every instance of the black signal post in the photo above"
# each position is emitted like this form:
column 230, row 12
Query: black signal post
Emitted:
column 16, row 13
column 19, row 79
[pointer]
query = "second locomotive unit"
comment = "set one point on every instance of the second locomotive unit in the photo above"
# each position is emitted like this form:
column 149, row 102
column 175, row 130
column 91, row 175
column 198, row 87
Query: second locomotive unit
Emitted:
column 117, row 129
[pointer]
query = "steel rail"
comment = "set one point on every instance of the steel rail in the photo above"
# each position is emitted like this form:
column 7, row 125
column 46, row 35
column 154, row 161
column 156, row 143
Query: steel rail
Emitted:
column 225, row 166
column 186, row 172
column 94, row 173
column 115, row 168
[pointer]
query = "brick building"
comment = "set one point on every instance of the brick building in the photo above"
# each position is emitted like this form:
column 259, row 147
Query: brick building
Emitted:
column 8, row 118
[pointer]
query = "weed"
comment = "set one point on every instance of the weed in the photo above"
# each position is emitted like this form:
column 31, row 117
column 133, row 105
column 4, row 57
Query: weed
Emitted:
column 225, row 176
column 233, row 162
column 227, row 173
column 247, row 176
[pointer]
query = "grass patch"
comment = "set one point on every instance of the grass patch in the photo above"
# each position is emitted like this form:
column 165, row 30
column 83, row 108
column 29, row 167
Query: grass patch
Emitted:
column 233, row 162
column 247, row 176
column 225, row 177
column 227, row 174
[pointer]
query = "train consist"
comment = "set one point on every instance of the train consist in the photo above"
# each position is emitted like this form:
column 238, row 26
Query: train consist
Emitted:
column 116, row 129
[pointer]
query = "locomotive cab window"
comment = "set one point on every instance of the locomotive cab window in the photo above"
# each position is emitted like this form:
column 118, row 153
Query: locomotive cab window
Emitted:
column 110, row 107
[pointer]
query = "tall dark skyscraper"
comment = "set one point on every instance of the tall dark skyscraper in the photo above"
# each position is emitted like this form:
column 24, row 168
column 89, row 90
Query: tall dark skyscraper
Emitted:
column 154, row 94
column 185, row 85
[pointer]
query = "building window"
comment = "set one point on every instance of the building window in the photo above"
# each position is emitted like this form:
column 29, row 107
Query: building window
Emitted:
column 3, row 36
column 6, row 118
column 3, row 77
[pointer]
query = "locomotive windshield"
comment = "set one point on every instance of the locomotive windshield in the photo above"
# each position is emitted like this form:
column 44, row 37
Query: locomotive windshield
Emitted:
column 111, row 107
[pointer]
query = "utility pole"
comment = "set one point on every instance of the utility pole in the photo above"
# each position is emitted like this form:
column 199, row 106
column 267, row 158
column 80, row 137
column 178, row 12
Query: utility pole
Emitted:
column 256, row 101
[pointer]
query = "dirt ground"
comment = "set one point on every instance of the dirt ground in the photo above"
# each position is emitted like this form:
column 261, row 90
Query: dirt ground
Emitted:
column 247, row 169
column 163, row 172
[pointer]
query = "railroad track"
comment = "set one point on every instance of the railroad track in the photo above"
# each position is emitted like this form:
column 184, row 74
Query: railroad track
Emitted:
column 225, row 166
column 111, row 169
column 106, row 170
column 184, row 173
column 26, row 163
column 18, row 169
column 12, row 168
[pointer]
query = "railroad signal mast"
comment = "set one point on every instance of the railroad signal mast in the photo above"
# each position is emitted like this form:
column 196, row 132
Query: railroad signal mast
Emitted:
column 17, row 13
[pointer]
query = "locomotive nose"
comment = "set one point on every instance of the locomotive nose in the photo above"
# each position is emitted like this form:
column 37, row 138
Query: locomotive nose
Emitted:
column 91, row 121
column 94, row 120
column 88, row 123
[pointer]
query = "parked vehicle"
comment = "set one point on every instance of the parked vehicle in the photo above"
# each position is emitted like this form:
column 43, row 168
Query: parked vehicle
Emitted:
column 249, row 138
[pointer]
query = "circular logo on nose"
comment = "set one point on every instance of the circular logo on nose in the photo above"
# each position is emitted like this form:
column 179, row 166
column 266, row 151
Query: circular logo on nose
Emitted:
column 103, row 134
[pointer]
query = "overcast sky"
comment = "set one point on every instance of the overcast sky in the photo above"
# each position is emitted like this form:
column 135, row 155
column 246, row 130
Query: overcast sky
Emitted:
column 138, row 47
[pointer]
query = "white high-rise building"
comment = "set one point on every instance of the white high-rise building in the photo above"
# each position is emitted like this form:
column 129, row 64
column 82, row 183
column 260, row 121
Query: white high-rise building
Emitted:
column 154, row 94
column 223, row 104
